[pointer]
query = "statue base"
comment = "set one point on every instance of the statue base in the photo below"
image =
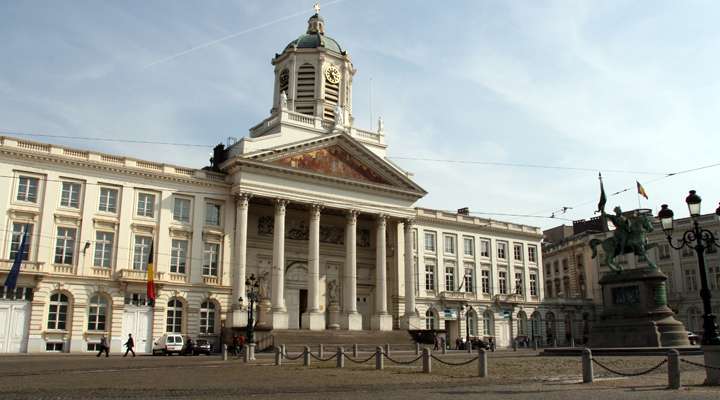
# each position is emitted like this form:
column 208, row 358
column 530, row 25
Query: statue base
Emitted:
column 635, row 312
column 333, row 316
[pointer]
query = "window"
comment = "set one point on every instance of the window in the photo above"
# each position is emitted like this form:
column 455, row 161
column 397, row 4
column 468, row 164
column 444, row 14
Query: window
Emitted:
column 714, row 277
column 518, row 283
column 54, row 346
column 212, row 214
column 532, row 254
column 556, row 265
column 502, row 250
column 664, row 251
column 181, row 210
column 468, row 246
column 690, row 280
column 138, row 299
column 146, row 205
column 210, row 259
column 548, row 269
column 548, row 289
column 518, row 251
column 65, row 245
column 687, row 251
column 565, row 264
column 97, row 313
column 142, row 252
column 207, row 317
column 429, row 320
column 472, row 323
column 449, row 244
column 485, row 281
column 522, row 324
column 450, row 278
column 469, row 281
column 174, row 316
column 566, row 286
column 430, row 241
column 70, row 195
column 533, row 284
column 178, row 256
column 103, row 249
column 429, row 277
column 502, row 280
column 57, row 311
column 488, row 328
column 484, row 248
column 19, row 293
column 108, row 200
column 28, row 189
column 18, row 230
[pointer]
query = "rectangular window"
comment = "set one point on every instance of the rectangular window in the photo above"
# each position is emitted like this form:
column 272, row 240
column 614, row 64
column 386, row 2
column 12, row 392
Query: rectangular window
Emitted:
column 565, row 264
column 178, row 256
column 664, row 251
column 65, row 245
column 518, row 251
column 532, row 254
column 502, row 250
column 19, row 293
column 28, row 189
column 485, row 281
column 533, row 284
column 690, row 280
column 469, row 279
column 502, row 280
column 430, row 241
column 449, row 244
column 142, row 252
column 468, row 246
column 556, row 266
column 70, row 195
column 212, row 214
column 54, row 346
column 518, row 283
column 108, row 200
column 450, row 278
column 548, row 289
column 103, row 249
column 181, row 210
column 146, row 205
column 18, row 229
column 211, row 255
column 484, row 248
column 429, row 277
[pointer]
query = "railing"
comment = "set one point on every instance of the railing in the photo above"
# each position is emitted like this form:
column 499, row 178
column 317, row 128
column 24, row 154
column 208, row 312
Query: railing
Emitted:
column 375, row 137
column 101, row 272
column 210, row 280
column 184, row 171
column 112, row 159
column 28, row 267
column 33, row 146
column 149, row 165
column 175, row 277
column 302, row 118
column 76, row 153
column 451, row 295
column 63, row 269
column 137, row 275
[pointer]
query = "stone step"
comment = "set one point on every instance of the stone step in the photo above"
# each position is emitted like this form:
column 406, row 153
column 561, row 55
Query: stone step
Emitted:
column 366, row 340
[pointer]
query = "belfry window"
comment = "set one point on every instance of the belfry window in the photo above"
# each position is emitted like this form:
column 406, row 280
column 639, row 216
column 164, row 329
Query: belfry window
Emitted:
column 305, row 94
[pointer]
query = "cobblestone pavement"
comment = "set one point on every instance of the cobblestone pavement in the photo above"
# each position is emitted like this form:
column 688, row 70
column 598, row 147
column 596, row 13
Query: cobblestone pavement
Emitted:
column 521, row 375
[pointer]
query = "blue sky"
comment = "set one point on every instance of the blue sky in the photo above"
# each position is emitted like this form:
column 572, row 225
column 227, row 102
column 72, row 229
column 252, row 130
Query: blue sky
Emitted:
column 604, row 85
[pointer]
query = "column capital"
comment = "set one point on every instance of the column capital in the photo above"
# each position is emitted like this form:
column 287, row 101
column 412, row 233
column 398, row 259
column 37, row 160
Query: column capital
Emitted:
column 381, row 219
column 352, row 216
column 280, row 205
column 315, row 209
column 409, row 222
column 242, row 199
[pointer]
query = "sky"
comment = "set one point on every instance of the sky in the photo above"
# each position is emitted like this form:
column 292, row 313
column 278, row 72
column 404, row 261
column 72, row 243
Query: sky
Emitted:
column 501, row 90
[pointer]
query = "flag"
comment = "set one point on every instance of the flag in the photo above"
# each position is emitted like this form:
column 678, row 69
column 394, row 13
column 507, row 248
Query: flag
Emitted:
column 603, row 198
column 12, row 277
column 641, row 190
column 151, row 274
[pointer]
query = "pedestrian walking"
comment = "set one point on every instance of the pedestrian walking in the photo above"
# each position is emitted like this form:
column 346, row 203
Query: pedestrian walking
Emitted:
column 130, row 344
column 436, row 342
column 241, row 343
column 492, row 344
column 235, row 345
column 104, row 347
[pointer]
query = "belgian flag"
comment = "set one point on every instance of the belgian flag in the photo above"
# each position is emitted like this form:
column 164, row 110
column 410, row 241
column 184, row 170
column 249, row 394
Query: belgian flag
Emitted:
column 151, row 273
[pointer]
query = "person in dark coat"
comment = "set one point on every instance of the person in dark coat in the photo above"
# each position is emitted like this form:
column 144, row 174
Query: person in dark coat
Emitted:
column 130, row 344
column 104, row 347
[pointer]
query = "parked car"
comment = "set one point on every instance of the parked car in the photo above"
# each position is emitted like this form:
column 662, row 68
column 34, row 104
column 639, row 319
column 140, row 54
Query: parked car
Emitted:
column 168, row 343
column 694, row 338
column 479, row 344
column 202, row 346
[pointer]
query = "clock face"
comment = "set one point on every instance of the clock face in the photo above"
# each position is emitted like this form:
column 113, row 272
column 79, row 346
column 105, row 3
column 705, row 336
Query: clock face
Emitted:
column 332, row 74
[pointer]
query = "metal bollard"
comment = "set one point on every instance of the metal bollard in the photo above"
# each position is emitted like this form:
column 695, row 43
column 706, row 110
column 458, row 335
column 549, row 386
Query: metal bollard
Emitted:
column 673, row 361
column 387, row 349
column 535, row 344
column 468, row 347
column 224, row 352
column 427, row 367
column 321, row 351
column 379, row 358
column 444, row 349
column 306, row 356
column 278, row 356
column 284, row 350
column 514, row 344
column 482, row 363
column 246, row 354
column 572, row 342
column 417, row 349
column 587, row 367
column 355, row 350
column 340, row 357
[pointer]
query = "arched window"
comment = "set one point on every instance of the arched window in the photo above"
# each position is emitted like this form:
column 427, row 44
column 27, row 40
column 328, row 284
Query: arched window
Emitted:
column 488, row 327
column 472, row 321
column 522, row 324
column 430, row 319
column 174, row 316
column 536, row 319
column 97, row 313
column 207, row 317
column 58, row 311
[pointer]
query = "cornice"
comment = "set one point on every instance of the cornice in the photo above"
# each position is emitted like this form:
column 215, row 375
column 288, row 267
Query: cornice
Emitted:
column 476, row 228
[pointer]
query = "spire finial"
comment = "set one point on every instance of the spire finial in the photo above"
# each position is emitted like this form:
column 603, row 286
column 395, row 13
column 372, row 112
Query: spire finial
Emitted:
column 316, row 6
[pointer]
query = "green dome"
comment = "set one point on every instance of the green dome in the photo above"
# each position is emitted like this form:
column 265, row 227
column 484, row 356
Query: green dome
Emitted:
column 315, row 40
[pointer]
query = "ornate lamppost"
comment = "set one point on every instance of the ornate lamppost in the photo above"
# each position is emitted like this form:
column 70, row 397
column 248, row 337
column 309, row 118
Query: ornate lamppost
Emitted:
column 698, row 239
column 252, row 286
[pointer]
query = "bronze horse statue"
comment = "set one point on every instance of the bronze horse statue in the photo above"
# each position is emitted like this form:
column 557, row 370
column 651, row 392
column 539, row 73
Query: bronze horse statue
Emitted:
column 629, row 237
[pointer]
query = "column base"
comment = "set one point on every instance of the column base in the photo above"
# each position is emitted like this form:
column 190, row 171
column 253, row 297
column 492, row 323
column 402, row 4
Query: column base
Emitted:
column 352, row 321
column 333, row 316
column 280, row 319
column 239, row 318
column 411, row 322
column 381, row 322
column 314, row 321
column 712, row 358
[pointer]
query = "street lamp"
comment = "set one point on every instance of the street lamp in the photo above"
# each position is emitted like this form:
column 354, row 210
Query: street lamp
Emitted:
column 466, row 308
column 699, row 240
column 252, row 286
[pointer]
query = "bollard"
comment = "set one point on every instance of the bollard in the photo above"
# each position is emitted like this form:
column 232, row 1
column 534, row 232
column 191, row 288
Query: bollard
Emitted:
column 673, row 361
column 284, row 350
column 250, row 351
column 278, row 356
column 246, row 354
column 379, row 358
column 535, row 344
column 321, row 351
column 482, row 363
column 554, row 342
column 340, row 357
column 355, row 350
column 306, row 356
column 572, row 342
column 444, row 349
column 387, row 349
column 587, row 367
column 427, row 367
column 417, row 349
column 224, row 352
column 468, row 347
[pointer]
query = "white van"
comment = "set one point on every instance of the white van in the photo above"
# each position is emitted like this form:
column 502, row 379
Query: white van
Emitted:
column 168, row 343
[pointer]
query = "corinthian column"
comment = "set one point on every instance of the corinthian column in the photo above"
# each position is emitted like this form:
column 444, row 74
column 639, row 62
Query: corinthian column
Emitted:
column 279, row 312
column 410, row 319
column 381, row 321
column 239, row 316
column 352, row 319
column 314, row 318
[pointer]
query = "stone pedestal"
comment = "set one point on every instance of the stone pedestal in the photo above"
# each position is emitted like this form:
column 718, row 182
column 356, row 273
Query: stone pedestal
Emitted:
column 352, row 321
column 264, row 319
column 314, row 321
column 239, row 317
column 381, row 322
column 333, row 316
column 635, row 312
column 280, row 319
column 712, row 358
column 411, row 322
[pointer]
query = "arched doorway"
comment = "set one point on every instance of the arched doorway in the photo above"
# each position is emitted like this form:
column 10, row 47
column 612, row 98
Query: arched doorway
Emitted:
column 535, row 321
column 296, row 293
column 550, row 331
column 523, row 335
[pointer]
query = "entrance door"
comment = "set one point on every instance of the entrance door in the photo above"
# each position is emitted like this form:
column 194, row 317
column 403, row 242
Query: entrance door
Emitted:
column 504, row 339
column 303, row 305
column 14, row 322
column 292, row 302
column 137, row 320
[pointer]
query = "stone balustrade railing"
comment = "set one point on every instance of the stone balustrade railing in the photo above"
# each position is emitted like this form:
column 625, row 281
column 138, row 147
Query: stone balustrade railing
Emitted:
column 27, row 267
